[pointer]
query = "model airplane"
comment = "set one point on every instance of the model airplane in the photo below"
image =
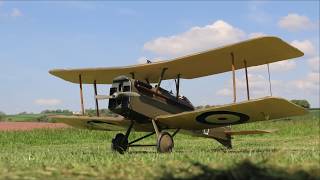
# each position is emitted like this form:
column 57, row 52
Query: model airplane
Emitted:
column 143, row 107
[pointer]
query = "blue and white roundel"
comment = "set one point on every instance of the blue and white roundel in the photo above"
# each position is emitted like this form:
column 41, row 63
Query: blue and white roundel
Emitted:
column 222, row 118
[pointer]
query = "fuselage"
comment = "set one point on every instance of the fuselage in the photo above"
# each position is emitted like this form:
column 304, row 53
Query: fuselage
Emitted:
column 152, row 102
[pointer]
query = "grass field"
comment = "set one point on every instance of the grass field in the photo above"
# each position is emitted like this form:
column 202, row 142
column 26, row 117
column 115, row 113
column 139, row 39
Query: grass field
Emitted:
column 290, row 153
column 23, row 117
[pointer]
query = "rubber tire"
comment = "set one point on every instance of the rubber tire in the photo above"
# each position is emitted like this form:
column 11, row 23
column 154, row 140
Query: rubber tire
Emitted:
column 119, row 143
column 165, row 143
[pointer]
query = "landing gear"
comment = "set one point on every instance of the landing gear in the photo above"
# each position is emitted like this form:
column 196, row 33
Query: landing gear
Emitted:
column 164, row 142
column 164, row 139
column 120, row 143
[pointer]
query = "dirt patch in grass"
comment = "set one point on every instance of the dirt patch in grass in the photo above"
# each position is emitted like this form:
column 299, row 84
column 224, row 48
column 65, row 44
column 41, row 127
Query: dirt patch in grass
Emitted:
column 25, row 126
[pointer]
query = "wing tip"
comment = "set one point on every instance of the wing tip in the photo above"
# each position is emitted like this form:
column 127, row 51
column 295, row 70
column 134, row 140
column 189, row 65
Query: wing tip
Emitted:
column 297, row 52
column 51, row 71
column 57, row 73
column 296, row 110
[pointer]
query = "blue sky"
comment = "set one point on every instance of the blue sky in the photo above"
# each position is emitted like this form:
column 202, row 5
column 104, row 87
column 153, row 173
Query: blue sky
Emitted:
column 38, row 36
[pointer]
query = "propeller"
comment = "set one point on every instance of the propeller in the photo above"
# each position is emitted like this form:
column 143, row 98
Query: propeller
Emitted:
column 117, row 95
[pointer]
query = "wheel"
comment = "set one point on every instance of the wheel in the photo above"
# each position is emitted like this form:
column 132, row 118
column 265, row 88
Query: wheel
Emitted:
column 119, row 143
column 165, row 142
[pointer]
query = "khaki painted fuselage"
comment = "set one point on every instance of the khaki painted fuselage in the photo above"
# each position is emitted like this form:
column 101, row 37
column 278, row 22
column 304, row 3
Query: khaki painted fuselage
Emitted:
column 151, row 103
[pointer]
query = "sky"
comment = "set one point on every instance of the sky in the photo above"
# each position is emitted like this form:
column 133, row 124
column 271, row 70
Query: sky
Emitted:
column 38, row 36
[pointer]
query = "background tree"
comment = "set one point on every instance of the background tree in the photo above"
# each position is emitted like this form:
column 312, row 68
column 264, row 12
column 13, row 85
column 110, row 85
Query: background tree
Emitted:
column 301, row 102
column 2, row 115
column 103, row 112
column 57, row 111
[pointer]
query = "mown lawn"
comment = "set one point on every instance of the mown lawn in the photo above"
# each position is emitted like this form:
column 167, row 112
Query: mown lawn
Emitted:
column 24, row 118
column 290, row 153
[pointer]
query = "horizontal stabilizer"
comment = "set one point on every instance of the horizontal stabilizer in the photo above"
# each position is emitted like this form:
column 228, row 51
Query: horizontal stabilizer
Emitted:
column 232, row 133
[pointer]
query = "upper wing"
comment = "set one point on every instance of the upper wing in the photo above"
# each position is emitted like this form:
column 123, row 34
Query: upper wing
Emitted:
column 244, row 112
column 97, row 123
column 255, row 52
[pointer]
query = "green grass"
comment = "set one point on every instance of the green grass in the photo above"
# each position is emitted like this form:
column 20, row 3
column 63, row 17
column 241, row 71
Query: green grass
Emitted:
column 290, row 153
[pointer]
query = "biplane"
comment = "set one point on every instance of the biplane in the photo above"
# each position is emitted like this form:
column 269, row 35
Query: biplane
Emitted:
column 141, row 104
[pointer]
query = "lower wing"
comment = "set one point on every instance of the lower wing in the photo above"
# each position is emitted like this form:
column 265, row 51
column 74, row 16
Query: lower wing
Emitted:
column 96, row 123
column 237, row 113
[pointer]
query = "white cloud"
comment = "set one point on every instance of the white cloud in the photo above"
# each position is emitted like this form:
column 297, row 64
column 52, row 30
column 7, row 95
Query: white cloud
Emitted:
column 258, row 85
column 207, row 37
column 314, row 64
column 224, row 92
column 305, row 46
column 283, row 66
column 217, row 34
column 195, row 39
column 256, row 35
column 309, row 83
column 143, row 59
column 47, row 102
column 279, row 66
column 295, row 22
column 16, row 13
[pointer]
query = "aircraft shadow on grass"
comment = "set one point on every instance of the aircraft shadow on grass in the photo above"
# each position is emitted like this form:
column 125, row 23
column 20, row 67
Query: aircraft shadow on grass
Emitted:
column 142, row 152
column 242, row 171
column 223, row 150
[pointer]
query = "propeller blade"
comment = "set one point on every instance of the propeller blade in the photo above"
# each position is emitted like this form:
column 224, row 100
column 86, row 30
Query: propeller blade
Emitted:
column 129, row 94
column 103, row 97
column 117, row 95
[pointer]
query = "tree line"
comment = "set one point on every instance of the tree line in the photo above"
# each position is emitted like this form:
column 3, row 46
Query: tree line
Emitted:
column 2, row 115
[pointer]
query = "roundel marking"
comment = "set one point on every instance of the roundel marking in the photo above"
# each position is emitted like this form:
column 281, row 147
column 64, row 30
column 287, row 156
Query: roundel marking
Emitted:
column 222, row 118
